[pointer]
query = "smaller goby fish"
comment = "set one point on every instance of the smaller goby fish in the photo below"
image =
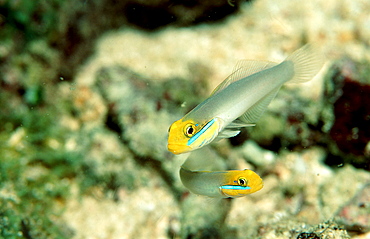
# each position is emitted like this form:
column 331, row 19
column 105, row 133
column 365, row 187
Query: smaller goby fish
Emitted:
column 241, row 99
column 221, row 184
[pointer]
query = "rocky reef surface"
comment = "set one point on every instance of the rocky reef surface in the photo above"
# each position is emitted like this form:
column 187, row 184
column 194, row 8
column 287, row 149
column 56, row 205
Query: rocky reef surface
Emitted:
column 85, row 111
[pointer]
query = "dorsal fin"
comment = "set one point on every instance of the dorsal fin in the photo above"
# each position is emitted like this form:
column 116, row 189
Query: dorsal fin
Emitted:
column 243, row 69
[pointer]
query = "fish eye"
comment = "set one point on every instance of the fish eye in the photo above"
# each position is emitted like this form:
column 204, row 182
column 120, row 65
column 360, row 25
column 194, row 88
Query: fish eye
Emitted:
column 242, row 181
column 189, row 130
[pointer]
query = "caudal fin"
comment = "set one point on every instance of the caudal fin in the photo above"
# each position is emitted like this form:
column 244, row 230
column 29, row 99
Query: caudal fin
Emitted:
column 307, row 61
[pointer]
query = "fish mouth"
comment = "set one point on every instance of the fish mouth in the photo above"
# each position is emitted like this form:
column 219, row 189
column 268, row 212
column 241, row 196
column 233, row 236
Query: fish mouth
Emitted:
column 178, row 148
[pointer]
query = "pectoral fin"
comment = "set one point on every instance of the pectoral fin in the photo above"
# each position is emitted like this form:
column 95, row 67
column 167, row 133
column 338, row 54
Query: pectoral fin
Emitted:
column 253, row 114
column 239, row 124
column 233, row 129
column 228, row 133
column 249, row 118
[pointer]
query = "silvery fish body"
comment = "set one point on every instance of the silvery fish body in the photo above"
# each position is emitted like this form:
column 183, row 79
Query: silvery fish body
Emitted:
column 241, row 99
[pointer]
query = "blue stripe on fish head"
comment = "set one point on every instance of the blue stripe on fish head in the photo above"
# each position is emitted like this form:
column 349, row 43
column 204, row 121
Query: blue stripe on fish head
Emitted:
column 201, row 132
column 235, row 187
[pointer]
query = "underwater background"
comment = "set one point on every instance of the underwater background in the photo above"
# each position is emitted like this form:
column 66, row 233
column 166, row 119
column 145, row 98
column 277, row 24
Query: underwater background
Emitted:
column 88, row 90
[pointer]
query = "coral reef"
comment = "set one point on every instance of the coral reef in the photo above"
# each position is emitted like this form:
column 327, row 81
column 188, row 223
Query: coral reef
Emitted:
column 88, row 90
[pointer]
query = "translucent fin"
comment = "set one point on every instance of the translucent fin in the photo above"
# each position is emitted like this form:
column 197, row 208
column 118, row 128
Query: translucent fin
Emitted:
column 228, row 133
column 239, row 124
column 243, row 69
column 254, row 113
column 233, row 129
column 307, row 61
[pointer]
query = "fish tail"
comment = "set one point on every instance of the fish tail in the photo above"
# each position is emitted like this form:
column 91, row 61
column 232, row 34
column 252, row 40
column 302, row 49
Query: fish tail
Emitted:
column 307, row 62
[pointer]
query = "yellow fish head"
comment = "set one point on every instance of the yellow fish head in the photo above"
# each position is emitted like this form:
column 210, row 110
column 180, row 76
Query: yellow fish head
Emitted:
column 239, row 183
column 186, row 136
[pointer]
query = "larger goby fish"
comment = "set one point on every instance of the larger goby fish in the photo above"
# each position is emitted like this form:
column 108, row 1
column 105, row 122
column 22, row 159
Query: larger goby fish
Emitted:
column 241, row 99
